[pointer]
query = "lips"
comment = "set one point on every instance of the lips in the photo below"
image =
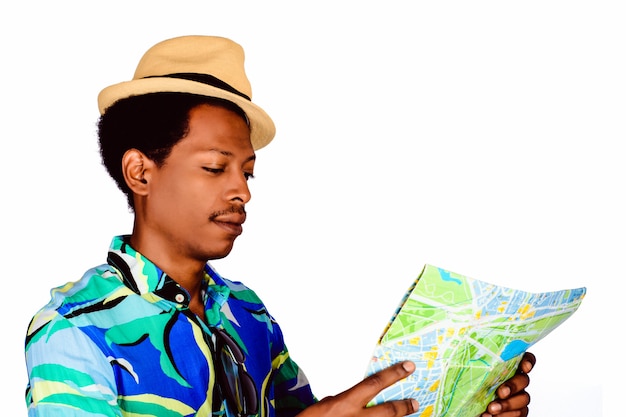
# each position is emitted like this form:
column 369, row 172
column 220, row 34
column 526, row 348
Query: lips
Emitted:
column 231, row 223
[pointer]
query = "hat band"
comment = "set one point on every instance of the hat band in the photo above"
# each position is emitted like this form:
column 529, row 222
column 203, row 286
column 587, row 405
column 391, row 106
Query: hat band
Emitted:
column 204, row 79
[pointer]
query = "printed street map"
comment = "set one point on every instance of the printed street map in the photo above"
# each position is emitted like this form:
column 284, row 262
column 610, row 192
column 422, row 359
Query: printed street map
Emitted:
column 466, row 337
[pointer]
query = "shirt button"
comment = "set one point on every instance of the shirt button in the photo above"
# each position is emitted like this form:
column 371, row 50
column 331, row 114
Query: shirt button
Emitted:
column 179, row 298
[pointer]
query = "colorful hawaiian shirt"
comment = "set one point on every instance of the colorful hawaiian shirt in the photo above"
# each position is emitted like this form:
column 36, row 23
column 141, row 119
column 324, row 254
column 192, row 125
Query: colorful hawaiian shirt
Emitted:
column 121, row 341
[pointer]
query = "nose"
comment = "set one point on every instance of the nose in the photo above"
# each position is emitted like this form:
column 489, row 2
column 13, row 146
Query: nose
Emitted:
column 240, row 191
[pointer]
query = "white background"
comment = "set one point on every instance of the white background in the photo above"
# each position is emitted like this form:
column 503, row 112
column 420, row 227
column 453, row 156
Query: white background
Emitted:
column 484, row 137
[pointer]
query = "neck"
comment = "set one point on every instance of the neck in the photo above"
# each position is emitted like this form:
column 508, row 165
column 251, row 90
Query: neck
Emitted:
column 187, row 272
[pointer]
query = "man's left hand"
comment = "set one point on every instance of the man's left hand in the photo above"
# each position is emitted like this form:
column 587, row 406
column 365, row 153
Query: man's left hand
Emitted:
column 511, row 397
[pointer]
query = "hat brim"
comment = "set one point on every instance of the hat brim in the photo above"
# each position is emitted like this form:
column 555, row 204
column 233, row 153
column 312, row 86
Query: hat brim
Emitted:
column 262, row 128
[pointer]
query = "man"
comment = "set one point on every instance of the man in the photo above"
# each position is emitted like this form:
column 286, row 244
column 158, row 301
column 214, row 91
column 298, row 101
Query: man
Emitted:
column 156, row 331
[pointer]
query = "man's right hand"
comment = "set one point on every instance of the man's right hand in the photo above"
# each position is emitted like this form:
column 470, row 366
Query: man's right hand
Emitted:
column 352, row 402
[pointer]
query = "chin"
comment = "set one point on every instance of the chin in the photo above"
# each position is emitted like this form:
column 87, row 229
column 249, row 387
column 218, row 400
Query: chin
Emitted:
column 215, row 257
column 219, row 254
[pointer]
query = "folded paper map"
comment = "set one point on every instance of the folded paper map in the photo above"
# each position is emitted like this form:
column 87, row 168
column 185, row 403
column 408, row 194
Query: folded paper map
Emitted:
column 466, row 337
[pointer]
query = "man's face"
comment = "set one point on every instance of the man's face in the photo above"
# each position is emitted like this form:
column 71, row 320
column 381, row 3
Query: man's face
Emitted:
column 195, row 205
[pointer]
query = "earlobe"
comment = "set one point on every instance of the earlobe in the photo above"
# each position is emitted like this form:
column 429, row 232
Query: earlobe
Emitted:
column 136, row 169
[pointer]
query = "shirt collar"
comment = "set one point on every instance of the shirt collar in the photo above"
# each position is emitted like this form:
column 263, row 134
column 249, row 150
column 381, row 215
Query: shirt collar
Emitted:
column 143, row 277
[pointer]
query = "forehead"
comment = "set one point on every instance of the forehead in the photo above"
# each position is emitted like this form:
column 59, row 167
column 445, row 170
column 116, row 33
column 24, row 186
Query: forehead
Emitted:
column 212, row 126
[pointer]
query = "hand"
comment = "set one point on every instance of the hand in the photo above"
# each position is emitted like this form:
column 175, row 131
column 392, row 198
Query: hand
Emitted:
column 352, row 402
column 512, row 398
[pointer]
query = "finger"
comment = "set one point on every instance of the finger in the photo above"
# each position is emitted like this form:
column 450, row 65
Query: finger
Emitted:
column 528, row 362
column 516, row 413
column 392, row 409
column 513, row 386
column 367, row 389
column 517, row 405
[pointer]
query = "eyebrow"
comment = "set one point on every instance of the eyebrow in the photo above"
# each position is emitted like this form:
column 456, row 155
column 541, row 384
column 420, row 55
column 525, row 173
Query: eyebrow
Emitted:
column 230, row 154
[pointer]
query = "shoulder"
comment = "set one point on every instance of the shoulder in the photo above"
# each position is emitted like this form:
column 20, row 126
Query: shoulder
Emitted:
column 237, row 289
column 97, row 284
column 241, row 291
column 244, row 301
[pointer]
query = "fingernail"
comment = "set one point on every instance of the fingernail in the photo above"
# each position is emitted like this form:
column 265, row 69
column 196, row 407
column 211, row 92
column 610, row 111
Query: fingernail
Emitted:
column 505, row 391
column 414, row 404
column 528, row 367
column 495, row 408
column 408, row 366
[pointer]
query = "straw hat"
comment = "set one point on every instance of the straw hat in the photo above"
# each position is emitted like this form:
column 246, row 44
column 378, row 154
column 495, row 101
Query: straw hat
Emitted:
column 205, row 65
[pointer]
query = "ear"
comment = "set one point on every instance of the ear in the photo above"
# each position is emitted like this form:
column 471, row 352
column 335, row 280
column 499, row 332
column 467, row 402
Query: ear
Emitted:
column 136, row 168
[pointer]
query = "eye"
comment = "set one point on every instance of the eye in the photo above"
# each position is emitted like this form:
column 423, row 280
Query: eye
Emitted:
column 248, row 175
column 213, row 170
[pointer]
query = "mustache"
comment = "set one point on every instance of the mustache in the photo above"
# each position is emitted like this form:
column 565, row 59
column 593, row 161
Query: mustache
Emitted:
column 231, row 210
